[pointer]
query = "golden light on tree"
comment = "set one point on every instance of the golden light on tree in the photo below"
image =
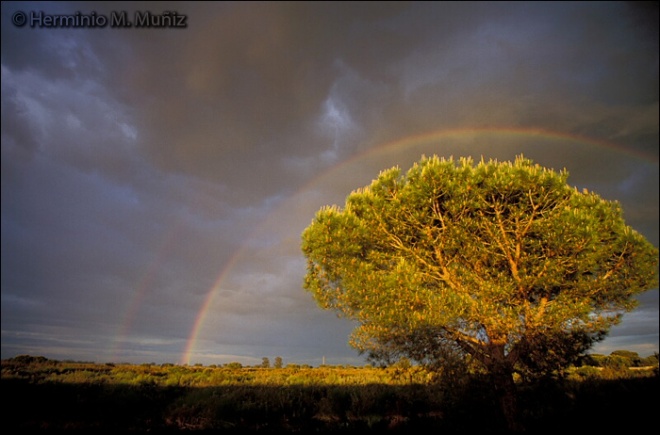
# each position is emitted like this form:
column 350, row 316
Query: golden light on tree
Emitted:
column 501, row 262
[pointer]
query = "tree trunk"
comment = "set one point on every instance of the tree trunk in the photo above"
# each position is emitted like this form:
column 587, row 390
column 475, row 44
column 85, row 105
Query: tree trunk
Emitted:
column 501, row 371
column 505, row 390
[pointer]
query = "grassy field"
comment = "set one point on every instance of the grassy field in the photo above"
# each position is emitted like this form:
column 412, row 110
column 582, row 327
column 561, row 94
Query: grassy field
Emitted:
column 53, row 396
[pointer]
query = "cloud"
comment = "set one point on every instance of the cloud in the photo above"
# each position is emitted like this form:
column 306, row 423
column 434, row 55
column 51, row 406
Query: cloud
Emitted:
column 143, row 169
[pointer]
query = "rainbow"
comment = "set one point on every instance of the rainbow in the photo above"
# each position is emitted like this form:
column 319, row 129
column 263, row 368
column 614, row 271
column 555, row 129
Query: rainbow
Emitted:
column 201, row 315
column 402, row 145
column 142, row 289
column 473, row 133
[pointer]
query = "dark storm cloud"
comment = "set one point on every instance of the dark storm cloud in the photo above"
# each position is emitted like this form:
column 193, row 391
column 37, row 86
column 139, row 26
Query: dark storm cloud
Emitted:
column 143, row 168
column 228, row 99
column 574, row 67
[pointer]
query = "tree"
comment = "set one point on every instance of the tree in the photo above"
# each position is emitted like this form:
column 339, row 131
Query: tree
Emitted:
column 632, row 358
column 265, row 363
column 234, row 365
column 502, row 263
column 651, row 360
column 278, row 362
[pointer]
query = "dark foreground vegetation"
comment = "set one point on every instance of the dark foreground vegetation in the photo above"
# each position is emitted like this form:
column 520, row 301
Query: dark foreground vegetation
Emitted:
column 39, row 395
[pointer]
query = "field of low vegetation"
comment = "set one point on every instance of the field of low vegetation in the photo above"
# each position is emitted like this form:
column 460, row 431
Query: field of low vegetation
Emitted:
column 618, row 391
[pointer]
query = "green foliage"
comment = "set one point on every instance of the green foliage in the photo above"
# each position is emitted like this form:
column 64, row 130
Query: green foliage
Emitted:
column 234, row 365
column 593, row 360
column 585, row 372
column 650, row 361
column 626, row 354
column 27, row 360
column 621, row 359
column 503, row 263
column 632, row 359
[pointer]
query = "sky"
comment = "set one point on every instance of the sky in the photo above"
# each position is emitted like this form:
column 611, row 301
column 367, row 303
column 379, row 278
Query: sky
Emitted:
column 156, row 181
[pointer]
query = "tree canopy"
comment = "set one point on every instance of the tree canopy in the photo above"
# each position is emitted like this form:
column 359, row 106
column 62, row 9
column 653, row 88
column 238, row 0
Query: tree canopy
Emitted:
column 501, row 261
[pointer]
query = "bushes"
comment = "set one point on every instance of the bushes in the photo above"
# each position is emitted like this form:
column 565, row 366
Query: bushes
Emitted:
column 620, row 359
column 302, row 407
column 143, row 398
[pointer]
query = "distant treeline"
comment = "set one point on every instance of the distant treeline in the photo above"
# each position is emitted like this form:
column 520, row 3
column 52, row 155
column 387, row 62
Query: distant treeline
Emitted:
column 618, row 364
column 618, row 358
